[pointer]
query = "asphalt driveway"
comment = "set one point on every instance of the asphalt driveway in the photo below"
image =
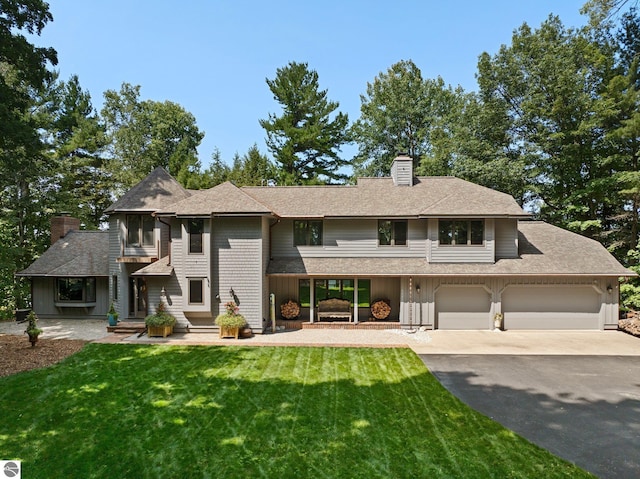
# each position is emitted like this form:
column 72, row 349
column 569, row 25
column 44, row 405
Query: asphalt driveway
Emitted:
column 585, row 409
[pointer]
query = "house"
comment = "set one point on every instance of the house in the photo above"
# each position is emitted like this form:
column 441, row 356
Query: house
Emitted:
column 442, row 252
column 71, row 278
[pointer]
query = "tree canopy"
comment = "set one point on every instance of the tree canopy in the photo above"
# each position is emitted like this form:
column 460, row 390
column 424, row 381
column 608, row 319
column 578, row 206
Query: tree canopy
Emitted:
column 306, row 138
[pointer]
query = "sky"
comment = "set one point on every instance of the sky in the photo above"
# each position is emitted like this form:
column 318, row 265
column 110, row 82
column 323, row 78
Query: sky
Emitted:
column 213, row 57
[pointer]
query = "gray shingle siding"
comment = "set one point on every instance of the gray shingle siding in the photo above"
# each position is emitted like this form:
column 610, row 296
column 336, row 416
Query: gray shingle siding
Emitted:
column 237, row 263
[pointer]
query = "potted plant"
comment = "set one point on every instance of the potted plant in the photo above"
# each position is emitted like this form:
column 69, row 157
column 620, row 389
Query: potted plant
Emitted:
column 32, row 328
column 230, row 321
column 161, row 323
column 112, row 316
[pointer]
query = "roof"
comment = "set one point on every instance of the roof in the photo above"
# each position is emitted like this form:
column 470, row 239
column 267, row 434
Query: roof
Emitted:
column 157, row 190
column 544, row 250
column 78, row 254
column 225, row 198
column 157, row 268
column 441, row 196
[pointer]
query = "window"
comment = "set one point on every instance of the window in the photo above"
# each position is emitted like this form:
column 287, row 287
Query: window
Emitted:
column 307, row 233
column 140, row 230
column 461, row 232
column 392, row 232
column 196, row 295
column 335, row 288
column 195, row 228
column 78, row 290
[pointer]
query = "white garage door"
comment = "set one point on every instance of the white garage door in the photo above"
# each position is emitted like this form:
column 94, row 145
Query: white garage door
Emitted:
column 551, row 307
column 463, row 307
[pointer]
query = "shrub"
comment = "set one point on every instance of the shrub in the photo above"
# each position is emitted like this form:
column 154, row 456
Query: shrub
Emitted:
column 160, row 318
column 231, row 318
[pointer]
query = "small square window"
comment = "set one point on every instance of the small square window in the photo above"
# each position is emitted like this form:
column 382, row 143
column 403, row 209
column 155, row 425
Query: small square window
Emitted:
column 196, row 295
column 392, row 232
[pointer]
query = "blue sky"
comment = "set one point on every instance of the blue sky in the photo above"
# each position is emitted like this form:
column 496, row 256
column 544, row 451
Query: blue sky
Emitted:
column 212, row 57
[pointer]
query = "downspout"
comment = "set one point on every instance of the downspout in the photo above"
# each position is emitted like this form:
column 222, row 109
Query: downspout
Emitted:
column 270, row 237
column 169, row 245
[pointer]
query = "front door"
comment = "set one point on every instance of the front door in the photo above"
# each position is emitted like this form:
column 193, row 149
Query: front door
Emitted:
column 137, row 298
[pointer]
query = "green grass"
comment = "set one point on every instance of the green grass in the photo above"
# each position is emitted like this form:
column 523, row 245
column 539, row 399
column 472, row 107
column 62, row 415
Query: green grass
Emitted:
column 127, row 411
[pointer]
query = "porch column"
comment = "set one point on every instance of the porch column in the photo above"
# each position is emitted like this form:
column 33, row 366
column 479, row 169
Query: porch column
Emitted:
column 312, row 299
column 355, row 301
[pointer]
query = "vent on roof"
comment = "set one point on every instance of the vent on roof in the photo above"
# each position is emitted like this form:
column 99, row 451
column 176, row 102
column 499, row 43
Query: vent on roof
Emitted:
column 402, row 170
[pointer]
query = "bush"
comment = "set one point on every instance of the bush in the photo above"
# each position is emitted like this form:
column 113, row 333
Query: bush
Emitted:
column 231, row 318
column 160, row 318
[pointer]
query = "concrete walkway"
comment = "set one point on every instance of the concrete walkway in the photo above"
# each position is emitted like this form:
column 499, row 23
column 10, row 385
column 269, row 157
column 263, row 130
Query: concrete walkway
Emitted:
column 548, row 343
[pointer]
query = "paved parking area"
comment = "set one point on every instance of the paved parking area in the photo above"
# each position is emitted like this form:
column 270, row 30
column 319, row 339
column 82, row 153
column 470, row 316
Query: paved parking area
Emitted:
column 585, row 409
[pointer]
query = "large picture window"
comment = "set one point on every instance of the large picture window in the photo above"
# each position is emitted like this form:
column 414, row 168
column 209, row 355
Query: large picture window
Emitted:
column 140, row 230
column 195, row 228
column 76, row 290
column 307, row 233
column 461, row 232
column 392, row 232
column 334, row 288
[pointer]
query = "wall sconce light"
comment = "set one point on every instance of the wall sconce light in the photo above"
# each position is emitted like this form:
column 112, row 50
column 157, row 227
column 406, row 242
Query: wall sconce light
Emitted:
column 609, row 289
column 218, row 298
column 232, row 293
column 418, row 288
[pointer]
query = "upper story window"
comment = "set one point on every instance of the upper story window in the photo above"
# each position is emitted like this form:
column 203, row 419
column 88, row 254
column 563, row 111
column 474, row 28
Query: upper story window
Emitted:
column 76, row 290
column 140, row 230
column 392, row 232
column 307, row 233
column 195, row 228
column 461, row 232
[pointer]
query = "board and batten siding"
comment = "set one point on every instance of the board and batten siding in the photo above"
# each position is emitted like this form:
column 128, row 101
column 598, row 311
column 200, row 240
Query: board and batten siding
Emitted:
column 506, row 238
column 237, row 264
column 484, row 253
column 349, row 239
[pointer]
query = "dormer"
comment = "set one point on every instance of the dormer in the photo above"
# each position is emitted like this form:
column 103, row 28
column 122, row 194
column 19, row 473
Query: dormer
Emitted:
column 402, row 170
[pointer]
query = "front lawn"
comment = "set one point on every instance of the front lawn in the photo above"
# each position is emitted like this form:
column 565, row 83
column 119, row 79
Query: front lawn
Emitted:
column 126, row 411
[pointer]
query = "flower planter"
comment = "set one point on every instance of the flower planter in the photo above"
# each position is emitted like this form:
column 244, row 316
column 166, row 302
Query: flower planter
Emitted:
column 159, row 331
column 113, row 319
column 229, row 332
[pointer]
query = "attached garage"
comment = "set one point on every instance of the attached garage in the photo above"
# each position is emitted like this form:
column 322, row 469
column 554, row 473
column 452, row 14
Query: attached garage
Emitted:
column 551, row 307
column 463, row 307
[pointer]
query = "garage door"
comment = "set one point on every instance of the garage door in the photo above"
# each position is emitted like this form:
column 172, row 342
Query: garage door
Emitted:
column 551, row 307
column 462, row 307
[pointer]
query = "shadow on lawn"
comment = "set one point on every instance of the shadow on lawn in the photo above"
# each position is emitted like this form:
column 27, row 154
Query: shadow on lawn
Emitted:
column 600, row 435
column 148, row 411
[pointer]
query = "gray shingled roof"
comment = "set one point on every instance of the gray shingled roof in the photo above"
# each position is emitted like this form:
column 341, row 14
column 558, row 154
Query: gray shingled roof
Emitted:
column 225, row 198
column 78, row 254
column 544, row 250
column 157, row 268
column 157, row 190
column 378, row 197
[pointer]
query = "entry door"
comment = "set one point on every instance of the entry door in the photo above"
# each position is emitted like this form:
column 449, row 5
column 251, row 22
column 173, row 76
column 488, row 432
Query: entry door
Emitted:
column 137, row 298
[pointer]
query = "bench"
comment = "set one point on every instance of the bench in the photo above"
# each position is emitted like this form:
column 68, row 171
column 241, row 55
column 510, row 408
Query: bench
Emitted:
column 334, row 308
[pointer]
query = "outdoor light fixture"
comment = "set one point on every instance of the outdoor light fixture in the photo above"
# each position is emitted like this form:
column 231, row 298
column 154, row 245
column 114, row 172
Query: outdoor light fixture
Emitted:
column 232, row 293
column 609, row 289
column 418, row 288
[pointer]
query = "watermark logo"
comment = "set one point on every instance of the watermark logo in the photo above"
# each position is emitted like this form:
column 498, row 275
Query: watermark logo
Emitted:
column 10, row 469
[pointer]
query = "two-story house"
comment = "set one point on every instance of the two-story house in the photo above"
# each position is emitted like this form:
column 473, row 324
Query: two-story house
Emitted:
column 445, row 253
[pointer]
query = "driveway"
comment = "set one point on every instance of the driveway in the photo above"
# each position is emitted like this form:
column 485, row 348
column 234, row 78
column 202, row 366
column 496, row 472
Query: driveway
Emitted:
column 585, row 409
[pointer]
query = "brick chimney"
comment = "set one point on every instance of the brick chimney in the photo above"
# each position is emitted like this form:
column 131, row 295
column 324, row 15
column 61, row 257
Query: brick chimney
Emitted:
column 402, row 170
column 61, row 225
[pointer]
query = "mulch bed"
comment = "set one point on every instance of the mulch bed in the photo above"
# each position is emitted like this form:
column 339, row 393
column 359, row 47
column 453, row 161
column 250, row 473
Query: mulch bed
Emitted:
column 17, row 355
column 631, row 324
